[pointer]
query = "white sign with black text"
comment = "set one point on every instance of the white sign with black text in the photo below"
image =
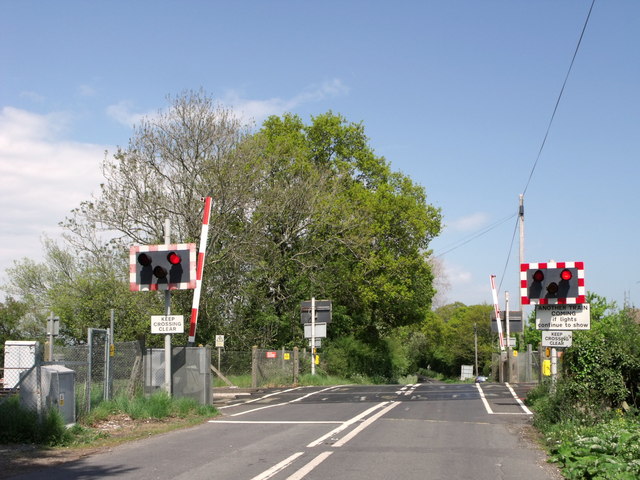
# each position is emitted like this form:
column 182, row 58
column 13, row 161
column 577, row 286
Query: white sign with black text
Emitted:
column 167, row 324
column 563, row 317
column 557, row 339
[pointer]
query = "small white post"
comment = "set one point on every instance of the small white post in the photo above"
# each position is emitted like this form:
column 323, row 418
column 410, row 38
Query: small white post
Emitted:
column 313, row 336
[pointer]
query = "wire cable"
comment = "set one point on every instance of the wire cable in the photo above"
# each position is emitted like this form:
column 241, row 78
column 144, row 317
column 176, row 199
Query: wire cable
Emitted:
column 474, row 235
column 506, row 264
column 555, row 109
column 546, row 135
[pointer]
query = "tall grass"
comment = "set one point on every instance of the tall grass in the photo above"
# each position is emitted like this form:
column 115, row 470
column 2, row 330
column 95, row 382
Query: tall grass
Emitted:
column 157, row 406
column 21, row 425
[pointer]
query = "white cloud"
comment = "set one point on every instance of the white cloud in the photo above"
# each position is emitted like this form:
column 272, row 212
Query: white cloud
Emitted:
column 33, row 96
column 86, row 91
column 460, row 283
column 470, row 222
column 246, row 109
column 123, row 113
column 44, row 177
column 258, row 110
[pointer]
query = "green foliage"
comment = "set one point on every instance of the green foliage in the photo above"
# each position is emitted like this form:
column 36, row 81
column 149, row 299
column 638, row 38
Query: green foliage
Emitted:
column 322, row 379
column 300, row 209
column 156, row 406
column 21, row 425
column 446, row 339
column 603, row 366
column 349, row 357
column 12, row 312
column 582, row 417
column 609, row 450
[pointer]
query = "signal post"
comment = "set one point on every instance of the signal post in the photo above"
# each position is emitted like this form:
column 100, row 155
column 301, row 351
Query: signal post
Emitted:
column 164, row 267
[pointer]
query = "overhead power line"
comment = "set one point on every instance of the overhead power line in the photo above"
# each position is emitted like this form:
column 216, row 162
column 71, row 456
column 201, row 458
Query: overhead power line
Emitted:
column 473, row 236
column 555, row 108
column 546, row 135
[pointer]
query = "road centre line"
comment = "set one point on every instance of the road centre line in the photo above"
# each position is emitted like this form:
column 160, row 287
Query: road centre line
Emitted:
column 309, row 466
column 346, row 424
column 364, row 425
column 278, row 467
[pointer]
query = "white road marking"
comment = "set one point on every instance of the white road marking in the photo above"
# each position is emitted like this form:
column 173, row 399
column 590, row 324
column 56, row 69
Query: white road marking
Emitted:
column 346, row 424
column 364, row 425
column 278, row 467
column 278, row 422
column 259, row 398
column 522, row 405
column 525, row 411
column 484, row 400
column 309, row 466
column 283, row 403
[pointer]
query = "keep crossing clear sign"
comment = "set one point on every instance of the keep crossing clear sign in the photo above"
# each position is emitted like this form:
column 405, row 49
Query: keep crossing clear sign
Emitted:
column 167, row 324
column 557, row 339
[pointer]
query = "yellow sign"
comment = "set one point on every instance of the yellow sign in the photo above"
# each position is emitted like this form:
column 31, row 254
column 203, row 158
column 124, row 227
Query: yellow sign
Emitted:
column 515, row 353
column 112, row 350
column 287, row 356
column 546, row 368
column 317, row 359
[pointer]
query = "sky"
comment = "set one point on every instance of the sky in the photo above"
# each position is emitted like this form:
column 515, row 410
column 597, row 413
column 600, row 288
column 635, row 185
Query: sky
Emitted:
column 456, row 94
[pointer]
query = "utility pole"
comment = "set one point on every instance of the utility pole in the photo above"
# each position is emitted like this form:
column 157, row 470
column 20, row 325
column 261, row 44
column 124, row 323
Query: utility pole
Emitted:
column 167, row 312
column 521, row 216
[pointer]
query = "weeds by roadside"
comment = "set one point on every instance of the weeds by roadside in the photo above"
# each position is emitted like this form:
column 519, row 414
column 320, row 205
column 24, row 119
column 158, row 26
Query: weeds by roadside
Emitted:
column 21, row 425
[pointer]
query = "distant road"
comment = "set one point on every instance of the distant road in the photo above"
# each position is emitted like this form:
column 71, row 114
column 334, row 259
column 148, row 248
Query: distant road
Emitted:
column 423, row 431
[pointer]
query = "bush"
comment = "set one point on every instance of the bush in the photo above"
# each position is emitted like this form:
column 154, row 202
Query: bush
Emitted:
column 608, row 450
column 349, row 357
column 21, row 425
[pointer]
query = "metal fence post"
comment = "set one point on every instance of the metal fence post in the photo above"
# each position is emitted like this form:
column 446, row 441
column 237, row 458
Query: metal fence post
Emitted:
column 89, row 369
column 254, row 367
column 296, row 365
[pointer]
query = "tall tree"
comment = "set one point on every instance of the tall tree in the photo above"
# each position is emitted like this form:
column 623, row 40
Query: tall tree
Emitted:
column 299, row 210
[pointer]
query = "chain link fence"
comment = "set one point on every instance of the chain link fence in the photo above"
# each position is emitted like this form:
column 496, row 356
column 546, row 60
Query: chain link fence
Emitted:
column 277, row 367
column 523, row 367
column 96, row 371
column 101, row 370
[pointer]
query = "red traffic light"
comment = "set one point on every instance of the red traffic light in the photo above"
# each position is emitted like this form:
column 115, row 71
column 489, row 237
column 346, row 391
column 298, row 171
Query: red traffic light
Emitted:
column 566, row 274
column 162, row 267
column 174, row 258
column 538, row 276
